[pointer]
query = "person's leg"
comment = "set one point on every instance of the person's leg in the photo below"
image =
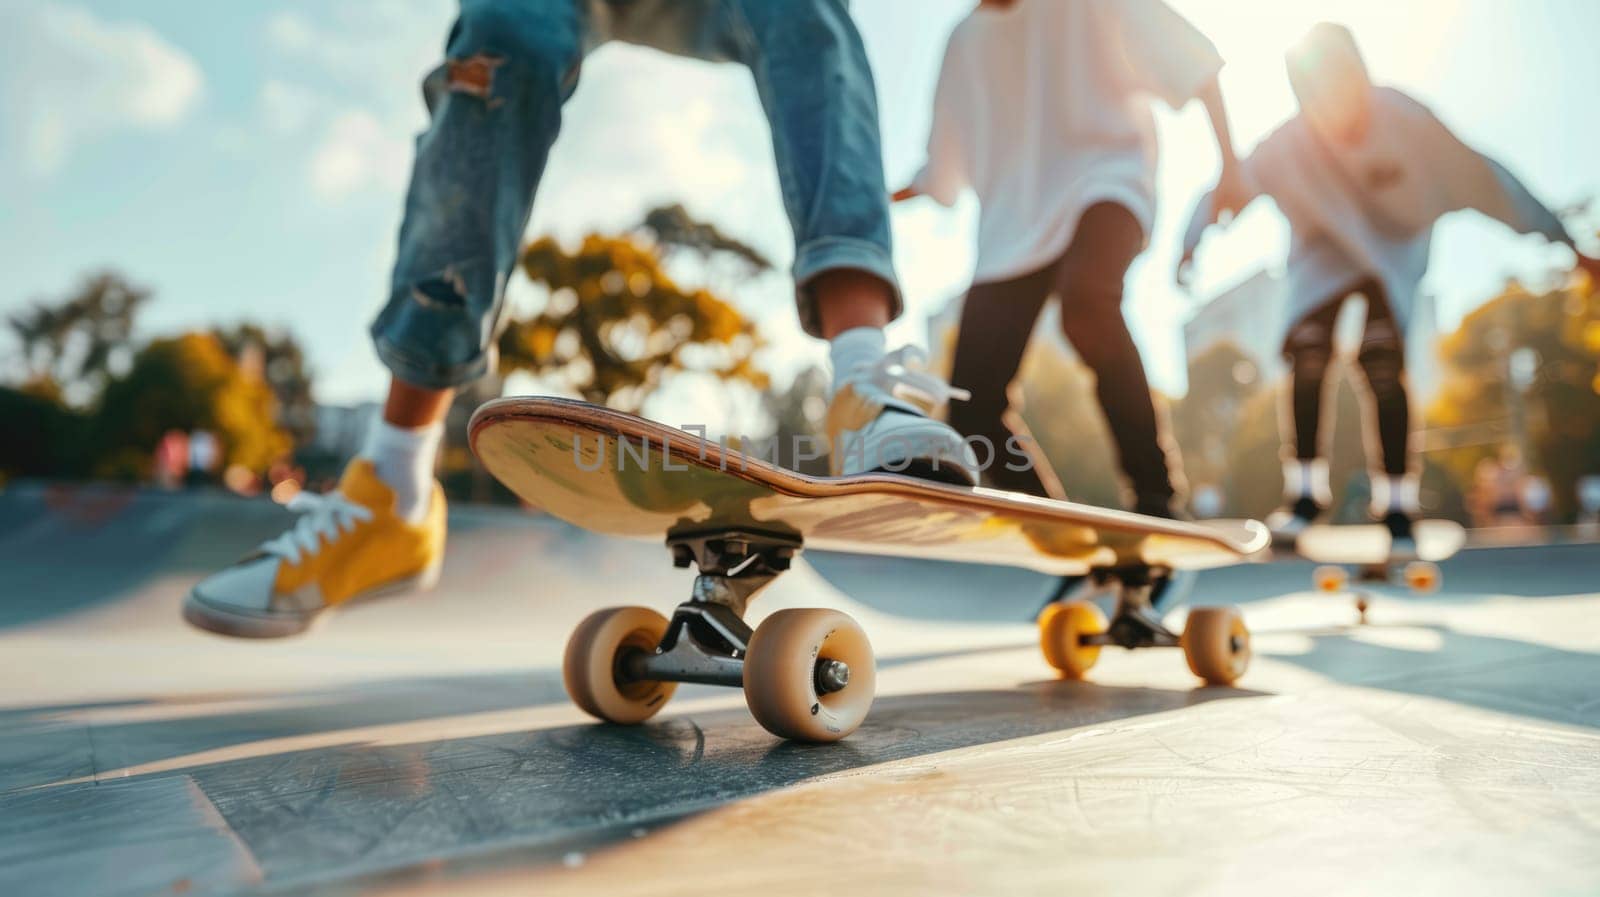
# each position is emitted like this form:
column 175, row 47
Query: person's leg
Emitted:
column 1089, row 281
column 812, row 75
column 996, row 320
column 1309, row 351
column 496, row 108
column 1382, row 358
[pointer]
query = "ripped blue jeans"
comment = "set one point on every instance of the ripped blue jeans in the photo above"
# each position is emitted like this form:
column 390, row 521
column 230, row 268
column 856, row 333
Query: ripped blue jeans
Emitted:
column 496, row 109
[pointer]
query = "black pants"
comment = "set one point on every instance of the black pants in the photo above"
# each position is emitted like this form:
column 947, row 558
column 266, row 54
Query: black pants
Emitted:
column 996, row 322
column 1309, row 350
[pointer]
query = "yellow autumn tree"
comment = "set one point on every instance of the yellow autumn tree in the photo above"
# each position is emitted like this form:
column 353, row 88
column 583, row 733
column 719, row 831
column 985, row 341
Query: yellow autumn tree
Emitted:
column 187, row 383
column 1524, row 369
column 613, row 324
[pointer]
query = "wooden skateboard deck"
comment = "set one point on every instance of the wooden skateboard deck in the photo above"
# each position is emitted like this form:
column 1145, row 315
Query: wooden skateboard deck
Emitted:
column 808, row 673
column 619, row 474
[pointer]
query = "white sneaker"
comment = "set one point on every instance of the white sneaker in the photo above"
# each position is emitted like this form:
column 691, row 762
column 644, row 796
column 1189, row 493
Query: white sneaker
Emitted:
column 879, row 420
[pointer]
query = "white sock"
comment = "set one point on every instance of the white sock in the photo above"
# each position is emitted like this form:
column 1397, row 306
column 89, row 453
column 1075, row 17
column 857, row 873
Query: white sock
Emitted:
column 853, row 348
column 1307, row 479
column 404, row 460
column 1395, row 493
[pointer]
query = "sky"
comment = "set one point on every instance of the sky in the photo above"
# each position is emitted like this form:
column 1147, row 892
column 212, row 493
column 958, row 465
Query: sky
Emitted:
column 248, row 161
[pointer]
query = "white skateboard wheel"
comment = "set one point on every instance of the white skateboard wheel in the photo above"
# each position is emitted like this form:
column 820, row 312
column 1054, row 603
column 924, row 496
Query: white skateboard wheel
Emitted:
column 589, row 668
column 781, row 671
column 1062, row 626
column 1216, row 644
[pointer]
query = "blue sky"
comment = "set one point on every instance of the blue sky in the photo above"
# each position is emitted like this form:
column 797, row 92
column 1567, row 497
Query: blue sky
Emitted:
column 248, row 160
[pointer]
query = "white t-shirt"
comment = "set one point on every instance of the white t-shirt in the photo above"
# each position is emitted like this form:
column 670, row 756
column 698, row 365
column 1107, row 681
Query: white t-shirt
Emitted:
column 1368, row 210
column 1043, row 110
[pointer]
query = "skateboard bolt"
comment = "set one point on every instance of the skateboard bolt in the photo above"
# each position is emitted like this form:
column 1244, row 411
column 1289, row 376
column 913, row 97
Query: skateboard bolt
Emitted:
column 831, row 676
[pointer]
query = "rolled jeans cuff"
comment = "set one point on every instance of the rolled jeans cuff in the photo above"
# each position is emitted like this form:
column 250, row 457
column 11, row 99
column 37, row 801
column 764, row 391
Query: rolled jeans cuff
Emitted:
column 415, row 369
column 818, row 257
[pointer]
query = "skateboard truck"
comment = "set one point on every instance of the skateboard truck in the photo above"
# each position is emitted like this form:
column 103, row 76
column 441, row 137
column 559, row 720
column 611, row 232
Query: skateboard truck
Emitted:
column 1215, row 641
column 1134, row 623
column 707, row 638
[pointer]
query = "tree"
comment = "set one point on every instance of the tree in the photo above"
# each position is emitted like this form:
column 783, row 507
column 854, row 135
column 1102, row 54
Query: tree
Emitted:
column 275, row 356
column 72, row 347
column 1223, row 384
column 1525, row 367
column 613, row 324
column 188, row 383
column 674, row 229
column 1060, row 409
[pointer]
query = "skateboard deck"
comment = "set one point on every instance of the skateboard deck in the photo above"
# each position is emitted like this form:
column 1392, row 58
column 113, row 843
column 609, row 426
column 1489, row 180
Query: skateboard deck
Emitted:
column 1360, row 561
column 619, row 474
column 1436, row 540
column 808, row 673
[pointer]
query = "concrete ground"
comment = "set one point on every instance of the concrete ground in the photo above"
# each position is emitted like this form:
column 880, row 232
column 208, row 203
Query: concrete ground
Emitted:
column 424, row 745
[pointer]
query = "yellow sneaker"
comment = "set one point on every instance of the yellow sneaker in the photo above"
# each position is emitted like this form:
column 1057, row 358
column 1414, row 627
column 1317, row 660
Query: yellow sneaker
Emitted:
column 349, row 544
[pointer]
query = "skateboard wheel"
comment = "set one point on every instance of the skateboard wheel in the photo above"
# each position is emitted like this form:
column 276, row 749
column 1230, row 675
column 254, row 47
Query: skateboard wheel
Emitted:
column 1062, row 626
column 781, row 673
column 1216, row 644
column 1422, row 576
column 590, row 667
column 1330, row 579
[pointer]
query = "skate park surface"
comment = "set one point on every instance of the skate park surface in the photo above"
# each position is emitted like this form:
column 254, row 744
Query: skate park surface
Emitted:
column 423, row 744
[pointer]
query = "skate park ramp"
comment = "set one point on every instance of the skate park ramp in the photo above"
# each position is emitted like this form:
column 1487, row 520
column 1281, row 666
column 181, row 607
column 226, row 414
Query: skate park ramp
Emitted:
column 423, row 744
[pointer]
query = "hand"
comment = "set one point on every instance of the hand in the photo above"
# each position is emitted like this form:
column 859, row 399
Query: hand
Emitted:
column 1230, row 196
column 905, row 193
column 1184, row 275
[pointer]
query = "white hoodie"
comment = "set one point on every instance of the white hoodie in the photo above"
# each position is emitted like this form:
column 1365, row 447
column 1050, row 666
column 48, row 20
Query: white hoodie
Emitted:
column 1369, row 210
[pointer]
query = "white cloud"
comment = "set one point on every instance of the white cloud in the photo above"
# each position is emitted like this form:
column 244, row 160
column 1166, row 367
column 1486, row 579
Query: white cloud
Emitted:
column 68, row 77
column 356, row 68
column 358, row 152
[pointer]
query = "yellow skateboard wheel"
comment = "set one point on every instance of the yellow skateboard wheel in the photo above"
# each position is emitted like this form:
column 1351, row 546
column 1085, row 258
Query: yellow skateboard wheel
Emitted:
column 589, row 667
column 781, row 671
column 1216, row 644
column 1422, row 576
column 1062, row 626
column 1329, row 578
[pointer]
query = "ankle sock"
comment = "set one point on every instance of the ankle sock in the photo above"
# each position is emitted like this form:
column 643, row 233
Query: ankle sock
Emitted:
column 853, row 348
column 1392, row 492
column 1307, row 479
column 404, row 459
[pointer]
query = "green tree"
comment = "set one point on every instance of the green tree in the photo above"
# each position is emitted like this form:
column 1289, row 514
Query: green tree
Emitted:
column 1059, row 406
column 1223, row 382
column 188, row 383
column 674, row 230
column 70, row 347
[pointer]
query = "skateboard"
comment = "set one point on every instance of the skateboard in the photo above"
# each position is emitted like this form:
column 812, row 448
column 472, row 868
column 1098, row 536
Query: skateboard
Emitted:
column 1358, row 560
column 808, row 674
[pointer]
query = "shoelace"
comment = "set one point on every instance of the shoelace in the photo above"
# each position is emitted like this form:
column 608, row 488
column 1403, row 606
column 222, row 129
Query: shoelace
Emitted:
column 903, row 374
column 328, row 515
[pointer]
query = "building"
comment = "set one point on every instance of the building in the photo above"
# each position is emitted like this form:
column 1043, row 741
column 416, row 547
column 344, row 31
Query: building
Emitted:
column 1250, row 315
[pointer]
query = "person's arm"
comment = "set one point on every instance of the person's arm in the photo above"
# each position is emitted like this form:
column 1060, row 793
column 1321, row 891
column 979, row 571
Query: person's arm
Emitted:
column 1200, row 219
column 1230, row 195
column 1474, row 181
column 1523, row 212
column 944, row 175
column 1168, row 57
